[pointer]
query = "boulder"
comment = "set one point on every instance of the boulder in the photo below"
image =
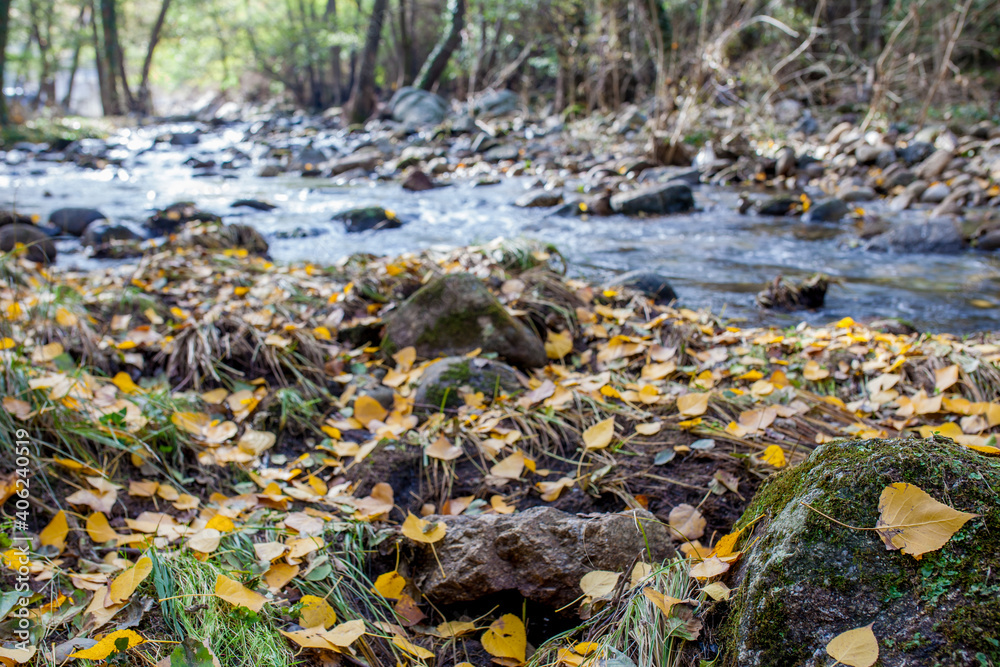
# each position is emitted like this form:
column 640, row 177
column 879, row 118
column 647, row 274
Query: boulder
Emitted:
column 231, row 237
column 10, row 218
column 496, row 103
column 828, row 210
column 501, row 153
column 654, row 200
column 455, row 314
column 653, row 285
column 309, row 161
column 184, row 139
column 418, row 181
column 168, row 220
column 413, row 106
column 989, row 241
column 74, row 221
column 255, row 204
column 368, row 218
column 542, row 553
column 916, row 152
column 937, row 235
column 365, row 160
column 440, row 384
column 105, row 232
column 804, row 579
column 539, row 198
column 931, row 168
column 39, row 246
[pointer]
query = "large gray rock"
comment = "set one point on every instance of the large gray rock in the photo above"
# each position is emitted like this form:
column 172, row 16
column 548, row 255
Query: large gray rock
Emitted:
column 39, row 245
column 413, row 106
column 102, row 233
column 440, row 385
column 455, row 314
column 829, row 210
column 74, row 221
column 803, row 579
column 542, row 553
column 934, row 166
column 496, row 103
column 367, row 219
column 655, row 200
column 365, row 160
column 939, row 235
column 653, row 285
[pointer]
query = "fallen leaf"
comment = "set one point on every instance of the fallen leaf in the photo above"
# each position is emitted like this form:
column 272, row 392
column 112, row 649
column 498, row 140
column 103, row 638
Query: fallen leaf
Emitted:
column 423, row 531
column 693, row 405
column 814, row 372
column 945, row 377
column 390, row 585
column 913, row 522
column 316, row 612
column 709, row 568
column 443, row 450
column 99, row 530
column 109, row 645
column 20, row 409
column 648, row 429
column 237, row 594
column 857, row 647
column 420, row 652
column 687, row 522
column 124, row 585
column 346, row 634
column 665, row 603
column 717, row 591
column 455, row 629
column 598, row 583
column 510, row 467
column 506, row 638
column 600, row 434
column 558, row 345
column 367, row 409
column 54, row 534
column 774, row 455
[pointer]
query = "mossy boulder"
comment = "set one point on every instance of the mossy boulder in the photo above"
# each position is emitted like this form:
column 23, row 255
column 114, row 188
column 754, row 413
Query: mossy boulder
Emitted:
column 455, row 314
column 441, row 384
column 806, row 579
column 367, row 219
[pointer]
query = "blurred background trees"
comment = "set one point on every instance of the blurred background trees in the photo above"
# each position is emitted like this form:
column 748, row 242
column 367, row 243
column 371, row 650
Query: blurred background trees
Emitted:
column 156, row 56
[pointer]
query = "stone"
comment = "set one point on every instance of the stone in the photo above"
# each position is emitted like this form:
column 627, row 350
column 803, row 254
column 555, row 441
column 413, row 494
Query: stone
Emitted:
column 255, row 204
column 365, row 160
column 39, row 246
column 939, row 235
column 413, row 106
column 367, row 219
column 935, row 193
column 269, row 171
column 828, row 210
column 492, row 103
column 10, row 218
column 539, row 198
column 654, row 200
column 785, row 163
column 778, row 206
column 788, row 111
column 834, row 135
column 185, row 139
column 418, row 181
column 455, row 314
column 653, row 285
column 857, row 193
column 74, row 221
column 867, row 154
column 916, row 152
column 804, row 579
column 228, row 237
column 931, row 168
column 501, row 153
column 901, row 178
column 440, row 384
column 168, row 220
column 101, row 233
column 309, row 160
column 989, row 241
column 541, row 553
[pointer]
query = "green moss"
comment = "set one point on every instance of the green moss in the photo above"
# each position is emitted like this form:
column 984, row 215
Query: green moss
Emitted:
column 939, row 610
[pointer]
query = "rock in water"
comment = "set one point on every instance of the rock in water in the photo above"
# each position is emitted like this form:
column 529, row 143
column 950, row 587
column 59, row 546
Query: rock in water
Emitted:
column 539, row 198
column 368, row 218
column 653, row 285
column 101, row 233
column 39, row 245
column 455, row 314
column 441, row 383
column 413, row 106
column 232, row 237
column 174, row 216
column 830, row 210
column 939, row 235
column 808, row 294
column 542, row 553
column 655, row 200
column 805, row 579
column 418, row 181
column 74, row 220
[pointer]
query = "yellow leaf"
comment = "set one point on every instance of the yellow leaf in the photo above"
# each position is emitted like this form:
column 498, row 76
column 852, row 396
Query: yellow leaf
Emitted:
column 814, row 372
column 54, row 534
column 124, row 585
column 664, row 602
column 109, row 645
column 419, row 651
column 510, row 467
column 215, row 397
column 913, row 522
column 708, row 568
column 558, row 345
column 648, row 429
column 506, row 638
column 20, row 409
column 600, row 434
column 649, row 394
column 693, row 405
column 717, row 591
column 455, row 629
column 774, row 455
column 237, row 594
column 124, row 382
column 948, row 430
column 945, row 377
column 499, row 506
column 205, row 540
column 443, row 450
column 345, row 634
column 256, row 442
column 857, row 647
column 367, row 408
column 17, row 656
column 405, row 358
column 551, row 490
column 390, row 585
column 687, row 522
column 598, row 583
column 46, row 353
column 191, row 422
column 310, row 638
column 316, row 612
column 99, row 530
column 426, row 532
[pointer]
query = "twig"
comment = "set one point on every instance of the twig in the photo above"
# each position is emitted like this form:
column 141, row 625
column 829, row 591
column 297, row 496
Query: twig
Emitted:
column 945, row 61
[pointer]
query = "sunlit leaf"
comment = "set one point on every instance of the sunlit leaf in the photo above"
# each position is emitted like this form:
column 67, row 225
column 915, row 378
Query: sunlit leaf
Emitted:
column 109, row 644
column 506, row 638
column 423, row 531
column 857, row 647
column 316, row 612
column 913, row 522
column 693, row 405
column 124, row 584
column 600, row 434
column 237, row 594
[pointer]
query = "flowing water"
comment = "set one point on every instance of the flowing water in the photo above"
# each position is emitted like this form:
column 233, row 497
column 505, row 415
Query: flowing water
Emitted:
column 715, row 257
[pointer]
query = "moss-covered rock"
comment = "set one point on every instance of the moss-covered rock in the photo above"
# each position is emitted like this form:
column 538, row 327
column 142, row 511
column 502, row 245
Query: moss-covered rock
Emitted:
column 807, row 579
column 455, row 314
column 440, row 385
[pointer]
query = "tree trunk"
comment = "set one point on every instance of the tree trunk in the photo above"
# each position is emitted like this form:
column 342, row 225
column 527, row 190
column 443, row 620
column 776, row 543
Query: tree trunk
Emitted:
column 438, row 59
column 408, row 59
column 143, row 101
column 99, row 63
column 4, row 29
column 109, row 24
column 81, row 25
column 362, row 101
